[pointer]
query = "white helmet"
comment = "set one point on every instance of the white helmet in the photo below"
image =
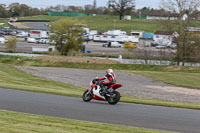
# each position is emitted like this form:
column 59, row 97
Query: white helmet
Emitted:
column 109, row 71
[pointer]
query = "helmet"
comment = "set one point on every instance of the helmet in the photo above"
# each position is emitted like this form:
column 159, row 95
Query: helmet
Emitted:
column 109, row 72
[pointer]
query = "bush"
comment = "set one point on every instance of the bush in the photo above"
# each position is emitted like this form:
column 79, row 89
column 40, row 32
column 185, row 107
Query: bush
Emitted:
column 11, row 43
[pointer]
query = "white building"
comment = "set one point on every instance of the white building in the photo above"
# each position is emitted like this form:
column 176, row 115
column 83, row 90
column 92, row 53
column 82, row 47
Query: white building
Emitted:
column 163, row 16
column 166, row 16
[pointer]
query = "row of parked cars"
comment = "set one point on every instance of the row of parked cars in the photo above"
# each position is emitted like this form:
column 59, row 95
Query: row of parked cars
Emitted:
column 119, row 45
column 7, row 31
column 34, row 40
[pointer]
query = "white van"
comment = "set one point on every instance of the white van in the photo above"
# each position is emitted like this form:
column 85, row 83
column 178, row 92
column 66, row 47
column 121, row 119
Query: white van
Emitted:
column 2, row 40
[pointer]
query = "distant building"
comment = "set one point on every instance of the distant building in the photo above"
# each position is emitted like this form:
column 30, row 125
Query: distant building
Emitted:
column 166, row 16
column 163, row 16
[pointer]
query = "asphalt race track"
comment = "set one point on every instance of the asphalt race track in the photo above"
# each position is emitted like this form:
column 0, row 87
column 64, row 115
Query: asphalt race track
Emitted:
column 38, row 25
column 163, row 118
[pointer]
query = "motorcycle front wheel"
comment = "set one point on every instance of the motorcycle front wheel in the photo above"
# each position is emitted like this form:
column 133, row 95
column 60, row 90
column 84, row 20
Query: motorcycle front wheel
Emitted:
column 87, row 96
column 114, row 98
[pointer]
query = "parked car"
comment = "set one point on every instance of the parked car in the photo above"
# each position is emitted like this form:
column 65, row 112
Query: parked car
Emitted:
column 43, row 41
column 173, row 46
column 112, row 44
column 106, row 44
column 31, row 40
column 2, row 40
column 22, row 34
column 161, row 47
column 129, row 45
column 115, row 45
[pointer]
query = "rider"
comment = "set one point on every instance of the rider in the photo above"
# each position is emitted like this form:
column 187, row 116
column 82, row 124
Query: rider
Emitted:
column 110, row 75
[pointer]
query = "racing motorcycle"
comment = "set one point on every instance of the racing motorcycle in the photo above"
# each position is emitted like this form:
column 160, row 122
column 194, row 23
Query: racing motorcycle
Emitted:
column 111, row 96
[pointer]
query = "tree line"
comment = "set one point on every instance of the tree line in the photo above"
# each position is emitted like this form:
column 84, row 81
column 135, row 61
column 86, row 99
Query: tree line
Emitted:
column 114, row 7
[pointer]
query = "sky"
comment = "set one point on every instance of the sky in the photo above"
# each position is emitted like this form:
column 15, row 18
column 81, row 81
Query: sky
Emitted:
column 46, row 3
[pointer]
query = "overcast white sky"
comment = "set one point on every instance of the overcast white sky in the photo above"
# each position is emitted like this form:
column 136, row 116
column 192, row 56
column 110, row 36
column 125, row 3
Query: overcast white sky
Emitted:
column 45, row 3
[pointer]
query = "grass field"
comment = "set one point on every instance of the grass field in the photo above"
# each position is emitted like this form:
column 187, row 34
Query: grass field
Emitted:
column 185, row 79
column 5, row 21
column 13, row 79
column 12, row 122
column 104, row 23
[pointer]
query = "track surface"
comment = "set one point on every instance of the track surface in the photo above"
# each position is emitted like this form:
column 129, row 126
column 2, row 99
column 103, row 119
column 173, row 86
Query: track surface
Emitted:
column 38, row 25
column 163, row 118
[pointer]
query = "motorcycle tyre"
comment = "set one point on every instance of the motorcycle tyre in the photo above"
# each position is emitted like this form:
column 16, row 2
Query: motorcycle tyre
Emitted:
column 116, row 100
column 84, row 97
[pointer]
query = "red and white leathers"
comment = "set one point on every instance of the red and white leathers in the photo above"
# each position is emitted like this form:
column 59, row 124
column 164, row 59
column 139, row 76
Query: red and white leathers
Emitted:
column 110, row 76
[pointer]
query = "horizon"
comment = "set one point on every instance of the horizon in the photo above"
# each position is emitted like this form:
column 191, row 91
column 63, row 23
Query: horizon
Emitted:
column 47, row 3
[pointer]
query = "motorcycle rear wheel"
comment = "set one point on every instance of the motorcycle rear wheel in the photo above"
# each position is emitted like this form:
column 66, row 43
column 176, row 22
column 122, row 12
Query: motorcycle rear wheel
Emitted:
column 114, row 98
column 87, row 96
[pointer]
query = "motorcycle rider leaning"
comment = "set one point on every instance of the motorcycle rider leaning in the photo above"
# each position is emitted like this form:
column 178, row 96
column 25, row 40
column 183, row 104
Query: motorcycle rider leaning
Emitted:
column 110, row 75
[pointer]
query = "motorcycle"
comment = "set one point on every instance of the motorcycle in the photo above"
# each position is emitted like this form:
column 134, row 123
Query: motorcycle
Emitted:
column 112, row 96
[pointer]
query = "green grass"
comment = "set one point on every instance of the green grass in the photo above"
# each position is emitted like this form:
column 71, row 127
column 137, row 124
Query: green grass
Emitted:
column 158, row 102
column 12, row 122
column 5, row 21
column 104, row 23
column 185, row 79
column 12, row 78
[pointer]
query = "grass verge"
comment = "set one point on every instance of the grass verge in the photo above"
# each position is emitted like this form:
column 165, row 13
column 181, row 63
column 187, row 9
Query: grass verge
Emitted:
column 184, row 79
column 12, row 122
column 12, row 78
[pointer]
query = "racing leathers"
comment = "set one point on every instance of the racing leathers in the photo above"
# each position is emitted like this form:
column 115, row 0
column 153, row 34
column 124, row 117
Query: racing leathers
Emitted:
column 104, row 85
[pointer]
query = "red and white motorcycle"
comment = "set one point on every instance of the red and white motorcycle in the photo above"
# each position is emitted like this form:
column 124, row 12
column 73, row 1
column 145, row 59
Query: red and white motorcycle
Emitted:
column 112, row 96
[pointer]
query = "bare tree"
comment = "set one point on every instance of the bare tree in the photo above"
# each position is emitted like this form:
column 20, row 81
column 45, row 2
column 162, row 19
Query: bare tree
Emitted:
column 122, row 6
column 185, row 10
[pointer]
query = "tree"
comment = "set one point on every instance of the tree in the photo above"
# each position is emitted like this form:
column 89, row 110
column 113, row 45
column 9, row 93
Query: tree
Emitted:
column 67, row 35
column 11, row 44
column 122, row 7
column 185, row 39
column 14, row 8
column 3, row 12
